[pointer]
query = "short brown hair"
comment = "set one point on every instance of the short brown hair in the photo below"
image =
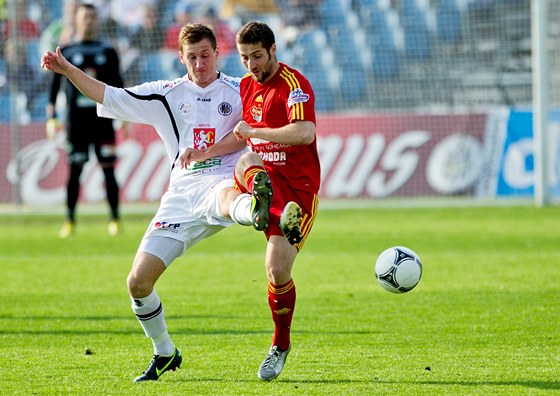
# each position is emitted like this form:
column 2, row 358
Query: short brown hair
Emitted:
column 193, row 33
column 256, row 33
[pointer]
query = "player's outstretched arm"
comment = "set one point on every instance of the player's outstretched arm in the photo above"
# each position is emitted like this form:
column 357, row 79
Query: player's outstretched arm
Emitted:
column 89, row 86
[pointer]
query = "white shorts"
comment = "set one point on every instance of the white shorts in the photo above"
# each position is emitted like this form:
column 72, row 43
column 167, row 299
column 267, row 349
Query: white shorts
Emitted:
column 188, row 213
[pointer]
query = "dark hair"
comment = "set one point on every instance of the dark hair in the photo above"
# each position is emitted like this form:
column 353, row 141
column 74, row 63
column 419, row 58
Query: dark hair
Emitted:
column 87, row 6
column 193, row 33
column 256, row 33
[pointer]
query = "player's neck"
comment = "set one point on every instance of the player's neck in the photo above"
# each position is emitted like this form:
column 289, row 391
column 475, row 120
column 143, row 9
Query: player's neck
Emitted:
column 273, row 70
column 86, row 37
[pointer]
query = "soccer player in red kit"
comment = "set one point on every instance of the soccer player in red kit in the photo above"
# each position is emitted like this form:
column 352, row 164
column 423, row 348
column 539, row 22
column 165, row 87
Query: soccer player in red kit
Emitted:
column 279, row 125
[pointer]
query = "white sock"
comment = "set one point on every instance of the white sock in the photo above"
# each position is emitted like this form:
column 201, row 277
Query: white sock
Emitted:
column 240, row 210
column 149, row 312
column 163, row 345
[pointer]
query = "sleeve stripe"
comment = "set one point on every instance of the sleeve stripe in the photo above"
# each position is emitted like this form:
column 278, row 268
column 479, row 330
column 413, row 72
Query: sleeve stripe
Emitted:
column 293, row 83
column 163, row 100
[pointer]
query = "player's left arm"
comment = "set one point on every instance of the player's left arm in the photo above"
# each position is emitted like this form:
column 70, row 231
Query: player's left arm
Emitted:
column 296, row 133
column 227, row 145
column 89, row 86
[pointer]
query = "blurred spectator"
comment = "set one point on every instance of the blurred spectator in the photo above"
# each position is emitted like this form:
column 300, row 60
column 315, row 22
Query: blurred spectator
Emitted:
column 224, row 35
column 129, row 14
column 247, row 9
column 298, row 16
column 26, row 28
column 149, row 37
column 3, row 12
column 21, row 77
column 109, row 29
column 60, row 31
column 183, row 14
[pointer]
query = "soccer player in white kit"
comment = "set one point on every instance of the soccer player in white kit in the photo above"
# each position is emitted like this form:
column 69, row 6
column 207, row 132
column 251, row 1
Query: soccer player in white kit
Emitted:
column 194, row 116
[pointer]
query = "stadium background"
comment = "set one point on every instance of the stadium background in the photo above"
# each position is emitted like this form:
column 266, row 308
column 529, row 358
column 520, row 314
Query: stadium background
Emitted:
column 415, row 98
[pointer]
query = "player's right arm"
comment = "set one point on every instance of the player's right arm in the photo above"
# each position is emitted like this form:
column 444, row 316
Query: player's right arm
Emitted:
column 229, row 144
column 89, row 86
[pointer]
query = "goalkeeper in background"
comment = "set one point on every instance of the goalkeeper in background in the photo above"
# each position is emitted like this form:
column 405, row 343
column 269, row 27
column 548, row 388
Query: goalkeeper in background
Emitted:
column 84, row 128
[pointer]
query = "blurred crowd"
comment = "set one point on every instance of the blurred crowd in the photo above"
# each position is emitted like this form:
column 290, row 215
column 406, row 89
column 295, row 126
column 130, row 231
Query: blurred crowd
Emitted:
column 135, row 28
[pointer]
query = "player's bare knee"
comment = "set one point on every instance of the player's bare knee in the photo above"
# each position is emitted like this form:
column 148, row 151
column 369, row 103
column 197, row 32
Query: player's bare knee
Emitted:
column 249, row 159
column 137, row 287
column 278, row 275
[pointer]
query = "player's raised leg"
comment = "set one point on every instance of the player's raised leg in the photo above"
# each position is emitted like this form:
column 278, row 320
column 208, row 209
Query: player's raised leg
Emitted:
column 252, row 206
column 290, row 223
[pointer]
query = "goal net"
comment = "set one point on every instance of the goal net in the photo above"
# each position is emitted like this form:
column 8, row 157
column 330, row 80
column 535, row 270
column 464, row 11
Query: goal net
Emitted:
column 415, row 98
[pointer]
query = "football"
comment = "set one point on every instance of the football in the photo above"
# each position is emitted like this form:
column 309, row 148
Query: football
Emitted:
column 398, row 269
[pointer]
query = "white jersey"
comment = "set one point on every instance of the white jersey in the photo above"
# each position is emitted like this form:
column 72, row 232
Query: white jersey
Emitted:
column 184, row 115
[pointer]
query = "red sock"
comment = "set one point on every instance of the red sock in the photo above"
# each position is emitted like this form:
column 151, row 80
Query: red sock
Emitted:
column 282, row 301
column 249, row 175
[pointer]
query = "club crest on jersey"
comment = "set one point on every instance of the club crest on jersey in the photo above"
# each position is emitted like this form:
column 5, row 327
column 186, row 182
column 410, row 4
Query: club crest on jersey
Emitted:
column 256, row 109
column 224, row 109
column 297, row 96
column 204, row 137
column 185, row 108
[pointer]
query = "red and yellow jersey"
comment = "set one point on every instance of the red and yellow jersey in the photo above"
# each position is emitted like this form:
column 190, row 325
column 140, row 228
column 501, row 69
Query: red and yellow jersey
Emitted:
column 285, row 98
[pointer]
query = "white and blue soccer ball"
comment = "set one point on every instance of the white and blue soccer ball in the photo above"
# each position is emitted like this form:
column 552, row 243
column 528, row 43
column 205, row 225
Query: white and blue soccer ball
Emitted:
column 398, row 269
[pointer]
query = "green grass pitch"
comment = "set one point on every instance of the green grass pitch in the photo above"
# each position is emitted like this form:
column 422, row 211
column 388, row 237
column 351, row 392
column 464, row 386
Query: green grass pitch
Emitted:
column 485, row 318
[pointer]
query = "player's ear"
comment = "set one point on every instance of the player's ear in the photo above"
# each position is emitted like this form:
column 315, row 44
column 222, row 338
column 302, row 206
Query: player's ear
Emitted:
column 180, row 53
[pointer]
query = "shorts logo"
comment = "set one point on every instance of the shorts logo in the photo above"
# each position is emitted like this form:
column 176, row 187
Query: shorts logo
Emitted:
column 204, row 137
column 164, row 225
column 297, row 96
column 185, row 108
column 224, row 108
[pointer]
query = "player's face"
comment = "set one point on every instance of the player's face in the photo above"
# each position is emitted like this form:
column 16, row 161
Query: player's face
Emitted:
column 261, row 64
column 86, row 23
column 200, row 59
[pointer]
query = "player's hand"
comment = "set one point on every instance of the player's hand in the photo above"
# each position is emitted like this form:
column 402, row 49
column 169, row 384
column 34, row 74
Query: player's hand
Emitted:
column 55, row 61
column 191, row 155
column 242, row 130
column 52, row 128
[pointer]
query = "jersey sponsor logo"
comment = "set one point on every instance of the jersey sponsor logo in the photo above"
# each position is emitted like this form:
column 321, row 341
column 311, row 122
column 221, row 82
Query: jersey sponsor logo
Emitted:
column 225, row 109
column 204, row 137
column 297, row 96
column 203, row 99
column 233, row 82
column 185, row 108
column 173, row 83
column 206, row 164
column 77, row 59
column 273, row 156
column 100, row 59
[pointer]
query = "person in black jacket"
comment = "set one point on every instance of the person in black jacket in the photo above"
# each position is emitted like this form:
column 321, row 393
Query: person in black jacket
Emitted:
column 84, row 128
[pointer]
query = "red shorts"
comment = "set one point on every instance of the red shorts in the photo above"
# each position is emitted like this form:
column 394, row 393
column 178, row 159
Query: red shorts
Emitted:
column 282, row 194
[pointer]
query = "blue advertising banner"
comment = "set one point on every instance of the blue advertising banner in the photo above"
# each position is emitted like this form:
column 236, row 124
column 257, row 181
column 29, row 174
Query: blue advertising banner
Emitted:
column 517, row 162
